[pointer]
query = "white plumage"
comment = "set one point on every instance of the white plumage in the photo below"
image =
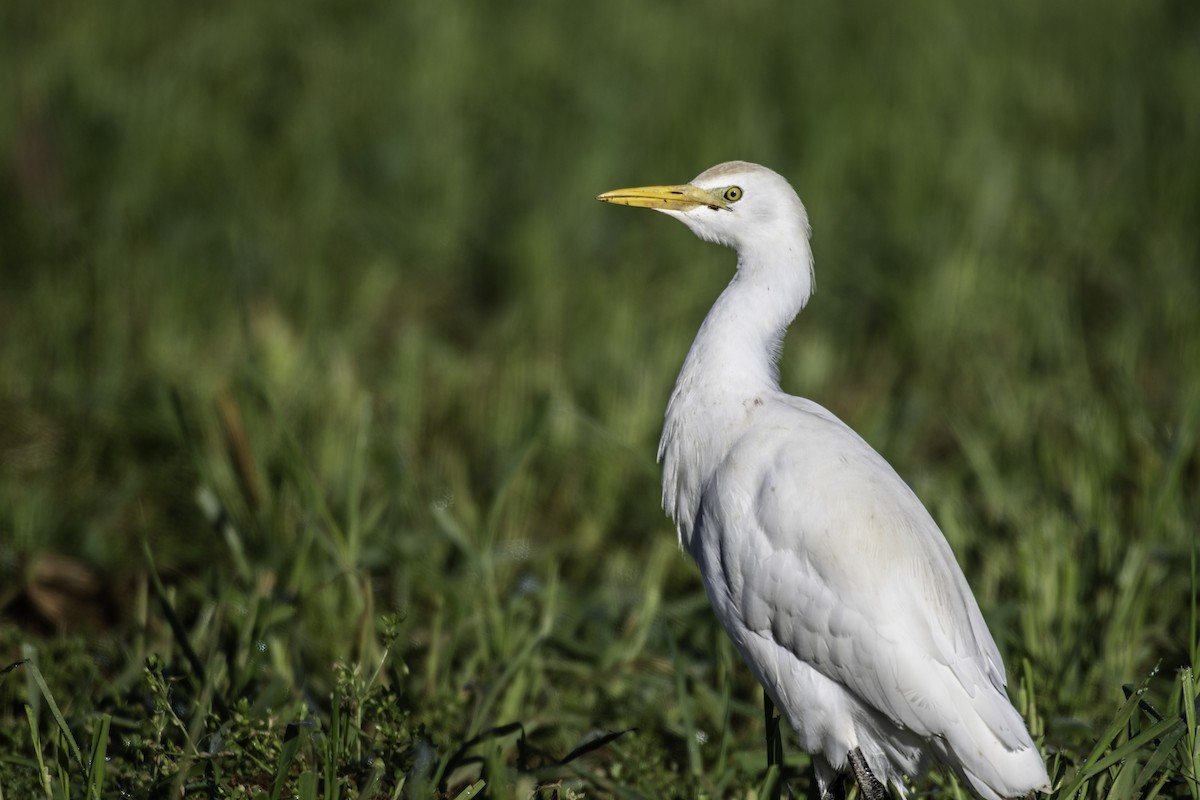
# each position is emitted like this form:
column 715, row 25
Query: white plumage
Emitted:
column 824, row 568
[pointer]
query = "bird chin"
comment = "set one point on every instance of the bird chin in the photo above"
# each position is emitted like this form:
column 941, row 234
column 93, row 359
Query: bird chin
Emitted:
column 704, row 231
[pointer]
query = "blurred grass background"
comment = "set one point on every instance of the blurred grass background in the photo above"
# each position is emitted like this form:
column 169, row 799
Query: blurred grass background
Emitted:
column 336, row 270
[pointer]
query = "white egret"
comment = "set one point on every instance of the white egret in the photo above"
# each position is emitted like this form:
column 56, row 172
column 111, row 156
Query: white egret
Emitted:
column 824, row 568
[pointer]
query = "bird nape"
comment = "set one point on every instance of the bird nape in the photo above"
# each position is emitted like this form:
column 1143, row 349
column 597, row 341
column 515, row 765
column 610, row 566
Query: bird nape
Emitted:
column 823, row 567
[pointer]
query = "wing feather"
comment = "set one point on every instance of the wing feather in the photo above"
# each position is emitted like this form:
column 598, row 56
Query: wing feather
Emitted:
column 824, row 549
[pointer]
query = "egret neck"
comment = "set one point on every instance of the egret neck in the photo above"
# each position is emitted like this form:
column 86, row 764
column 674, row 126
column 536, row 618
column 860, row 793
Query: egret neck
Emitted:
column 731, row 366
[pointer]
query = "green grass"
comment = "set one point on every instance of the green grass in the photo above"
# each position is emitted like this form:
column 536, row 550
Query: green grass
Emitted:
column 329, row 397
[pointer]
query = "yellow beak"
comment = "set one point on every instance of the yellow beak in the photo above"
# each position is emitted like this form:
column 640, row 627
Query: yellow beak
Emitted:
column 665, row 198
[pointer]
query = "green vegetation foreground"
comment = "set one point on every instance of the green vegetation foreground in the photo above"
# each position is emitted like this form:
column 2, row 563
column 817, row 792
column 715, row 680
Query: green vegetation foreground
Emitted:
column 329, row 396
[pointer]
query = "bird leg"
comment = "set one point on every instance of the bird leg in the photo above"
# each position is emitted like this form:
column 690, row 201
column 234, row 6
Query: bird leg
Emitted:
column 828, row 783
column 872, row 789
column 774, row 743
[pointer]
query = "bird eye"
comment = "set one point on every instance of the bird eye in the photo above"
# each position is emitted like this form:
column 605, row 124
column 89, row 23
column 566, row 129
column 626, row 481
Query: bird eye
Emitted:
column 733, row 194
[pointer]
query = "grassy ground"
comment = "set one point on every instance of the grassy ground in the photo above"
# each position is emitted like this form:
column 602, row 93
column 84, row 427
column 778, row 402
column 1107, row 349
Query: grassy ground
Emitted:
column 329, row 397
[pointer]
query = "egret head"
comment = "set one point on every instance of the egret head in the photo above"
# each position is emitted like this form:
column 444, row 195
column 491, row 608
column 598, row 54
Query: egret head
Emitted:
column 738, row 204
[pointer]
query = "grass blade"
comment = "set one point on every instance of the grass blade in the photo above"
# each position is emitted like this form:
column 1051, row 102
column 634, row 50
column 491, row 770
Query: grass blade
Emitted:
column 471, row 791
column 292, row 740
column 99, row 753
column 1191, row 770
column 63, row 729
column 43, row 773
column 686, row 710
